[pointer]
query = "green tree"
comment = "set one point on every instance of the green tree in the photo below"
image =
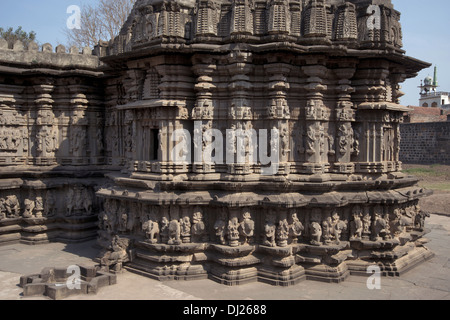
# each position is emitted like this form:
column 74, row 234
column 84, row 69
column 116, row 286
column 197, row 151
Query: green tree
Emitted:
column 11, row 36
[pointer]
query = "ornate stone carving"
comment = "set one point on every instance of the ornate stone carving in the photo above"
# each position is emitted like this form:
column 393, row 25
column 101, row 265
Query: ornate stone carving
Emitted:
column 357, row 226
column 317, row 71
column 198, row 228
column 315, row 227
column 220, row 226
column 151, row 228
column 12, row 206
column 233, row 230
column 247, row 227
column 270, row 229
column 295, row 228
column 174, row 227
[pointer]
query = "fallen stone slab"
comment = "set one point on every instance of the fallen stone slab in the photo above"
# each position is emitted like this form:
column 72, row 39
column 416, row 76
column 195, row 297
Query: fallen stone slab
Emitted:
column 60, row 283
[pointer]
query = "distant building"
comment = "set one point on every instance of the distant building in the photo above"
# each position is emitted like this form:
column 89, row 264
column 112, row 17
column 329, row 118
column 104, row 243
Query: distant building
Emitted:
column 434, row 106
column 430, row 97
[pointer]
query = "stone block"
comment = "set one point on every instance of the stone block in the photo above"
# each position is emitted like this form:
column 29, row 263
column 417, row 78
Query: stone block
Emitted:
column 61, row 291
column 47, row 47
column 34, row 289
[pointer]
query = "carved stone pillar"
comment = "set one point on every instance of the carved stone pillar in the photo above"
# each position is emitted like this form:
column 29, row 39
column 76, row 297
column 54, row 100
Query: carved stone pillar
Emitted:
column 14, row 134
column 46, row 131
column 240, row 115
column 278, row 109
column 78, row 125
column 316, row 115
column 345, row 116
column 203, row 112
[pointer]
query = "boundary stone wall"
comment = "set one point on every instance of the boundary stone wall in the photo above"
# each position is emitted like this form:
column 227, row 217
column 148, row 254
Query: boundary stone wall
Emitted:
column 425, row 143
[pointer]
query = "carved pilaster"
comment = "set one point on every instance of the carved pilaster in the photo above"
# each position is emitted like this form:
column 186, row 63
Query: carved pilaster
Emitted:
column 240, row 114
column 279, row 17
column 241, row 17
column 316, row 115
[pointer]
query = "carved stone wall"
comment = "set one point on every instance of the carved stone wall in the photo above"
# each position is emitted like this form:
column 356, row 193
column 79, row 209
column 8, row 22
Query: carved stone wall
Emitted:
column 166, row 123
column 326, row 75
column 51, row 144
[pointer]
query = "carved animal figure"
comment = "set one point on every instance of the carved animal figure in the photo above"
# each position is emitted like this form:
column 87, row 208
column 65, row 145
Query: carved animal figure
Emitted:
column 151, row 228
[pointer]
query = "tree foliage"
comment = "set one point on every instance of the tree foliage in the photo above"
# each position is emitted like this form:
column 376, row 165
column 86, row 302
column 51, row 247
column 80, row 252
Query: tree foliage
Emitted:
column 11, row 36
column 99, row 22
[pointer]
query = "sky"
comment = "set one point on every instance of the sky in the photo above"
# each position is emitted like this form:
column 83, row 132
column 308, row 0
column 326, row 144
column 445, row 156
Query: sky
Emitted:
column 425, row 24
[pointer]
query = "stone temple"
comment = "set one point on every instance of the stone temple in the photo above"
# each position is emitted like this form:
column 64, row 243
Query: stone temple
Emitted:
column 157, row 142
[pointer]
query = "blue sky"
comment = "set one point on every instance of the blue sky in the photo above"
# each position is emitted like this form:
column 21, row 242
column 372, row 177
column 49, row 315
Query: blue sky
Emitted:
column 426, row 32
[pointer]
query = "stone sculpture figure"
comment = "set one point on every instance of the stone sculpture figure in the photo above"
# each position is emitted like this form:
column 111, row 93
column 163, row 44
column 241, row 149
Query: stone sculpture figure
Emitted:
column 29, row 208
column 247, row 227
column 108, row 221
column 419, row 222
column 39, row 207
column 86, row 201
column 315, row 228
column 174, row 228
column 310, row 140
column 116, row 255
column 50, row 204
column 185, row 225
column 164, row 230
column 270, row 230
column 356, row 226
column 327, row 226
column 296, row 228
column 282, row 235
column 70, row 202
column 151, row 228
column 380, row 226
column 198, row 228
column 367, row 223
column 233, row 231
column 220, row 225
column 399, row 223
column 122, row 214
column 12, row 206
column 343, row 139
column 338, row 226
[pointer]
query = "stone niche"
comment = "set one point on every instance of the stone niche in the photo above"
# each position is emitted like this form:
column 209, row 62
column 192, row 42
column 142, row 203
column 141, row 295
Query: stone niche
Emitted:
column 326, row 75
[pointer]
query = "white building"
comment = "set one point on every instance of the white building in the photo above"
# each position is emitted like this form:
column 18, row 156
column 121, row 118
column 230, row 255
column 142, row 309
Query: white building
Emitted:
column 430, row 97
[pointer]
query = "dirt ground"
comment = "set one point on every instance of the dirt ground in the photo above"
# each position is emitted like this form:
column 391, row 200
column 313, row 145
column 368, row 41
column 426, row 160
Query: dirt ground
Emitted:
column 436, row 178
